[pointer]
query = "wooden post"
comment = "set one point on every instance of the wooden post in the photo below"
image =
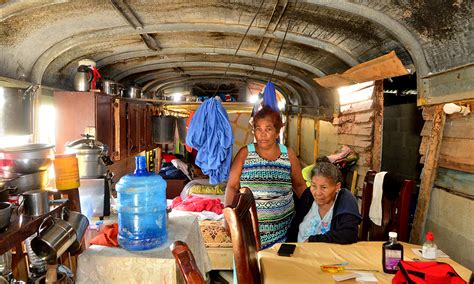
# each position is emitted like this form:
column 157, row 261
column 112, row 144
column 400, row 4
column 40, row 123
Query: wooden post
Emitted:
column 316, row 139
column 378, row 122
column 428, row 173
column 298, row 135
column 287, row 128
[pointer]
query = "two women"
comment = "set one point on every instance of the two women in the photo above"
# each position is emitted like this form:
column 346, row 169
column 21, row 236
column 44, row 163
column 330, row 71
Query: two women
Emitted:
column 324, row 211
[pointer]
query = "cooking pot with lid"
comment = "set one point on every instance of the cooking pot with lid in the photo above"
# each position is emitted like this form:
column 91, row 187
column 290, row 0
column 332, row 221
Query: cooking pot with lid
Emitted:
column 110, row 87
column 91, row 156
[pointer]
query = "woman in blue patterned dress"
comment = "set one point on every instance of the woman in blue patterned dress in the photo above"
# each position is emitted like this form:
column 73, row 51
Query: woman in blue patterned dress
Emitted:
column 273, row 173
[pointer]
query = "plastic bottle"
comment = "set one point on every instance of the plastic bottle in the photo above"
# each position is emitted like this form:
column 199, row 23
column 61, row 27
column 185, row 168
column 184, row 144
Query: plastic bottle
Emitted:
column 392, row 253
column 429, row 247
column 141, row 206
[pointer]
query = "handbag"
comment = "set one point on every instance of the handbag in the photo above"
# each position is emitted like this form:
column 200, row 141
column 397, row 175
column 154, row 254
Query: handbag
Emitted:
column 432, row 272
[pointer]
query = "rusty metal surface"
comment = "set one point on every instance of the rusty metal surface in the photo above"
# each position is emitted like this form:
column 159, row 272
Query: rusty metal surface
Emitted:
column 42, row 41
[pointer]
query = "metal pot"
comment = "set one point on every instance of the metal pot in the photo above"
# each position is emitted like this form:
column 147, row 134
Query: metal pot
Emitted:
column 26, row 159
column 90, row 157
column 110, row 87
column 134, row 92
column 35, row 203
column 52, row 241
column 17, row 183
column 5, row 214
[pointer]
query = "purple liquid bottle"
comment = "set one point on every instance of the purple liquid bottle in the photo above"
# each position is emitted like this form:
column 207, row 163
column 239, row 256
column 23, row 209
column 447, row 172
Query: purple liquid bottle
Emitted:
column 392, row 253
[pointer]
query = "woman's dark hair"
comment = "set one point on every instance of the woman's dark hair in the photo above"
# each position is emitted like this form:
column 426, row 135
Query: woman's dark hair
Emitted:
column 322, row 159
column 268, row 112
column 327, row 170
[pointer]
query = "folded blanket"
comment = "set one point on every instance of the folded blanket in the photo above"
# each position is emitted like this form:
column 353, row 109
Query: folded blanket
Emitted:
column 107, row 236
column 197, row 204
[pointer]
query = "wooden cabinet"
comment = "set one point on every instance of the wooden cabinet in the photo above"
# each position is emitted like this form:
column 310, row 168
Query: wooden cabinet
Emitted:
column 124, row 125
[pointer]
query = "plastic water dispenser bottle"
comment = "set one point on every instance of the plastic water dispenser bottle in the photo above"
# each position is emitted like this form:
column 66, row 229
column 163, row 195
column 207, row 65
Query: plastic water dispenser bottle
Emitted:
column 141, row 206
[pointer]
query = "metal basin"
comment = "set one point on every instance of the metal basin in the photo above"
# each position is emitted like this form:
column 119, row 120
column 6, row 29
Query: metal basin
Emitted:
column 18, row 184
column 26, row 159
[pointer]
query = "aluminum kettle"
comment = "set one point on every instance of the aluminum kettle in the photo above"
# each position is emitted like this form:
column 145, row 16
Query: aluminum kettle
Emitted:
column 83, row 79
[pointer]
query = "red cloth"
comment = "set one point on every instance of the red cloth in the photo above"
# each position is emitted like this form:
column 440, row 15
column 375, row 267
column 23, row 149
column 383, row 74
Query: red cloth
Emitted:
column 195, row 203
column 168, row 157
column 107, row 237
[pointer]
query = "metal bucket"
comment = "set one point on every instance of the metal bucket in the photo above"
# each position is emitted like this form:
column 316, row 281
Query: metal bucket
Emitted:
column 182, row 128
column 16, row 111
column 164, row 129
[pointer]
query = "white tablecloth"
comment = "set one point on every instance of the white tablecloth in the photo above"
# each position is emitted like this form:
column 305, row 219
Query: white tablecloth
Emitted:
column 100, row 264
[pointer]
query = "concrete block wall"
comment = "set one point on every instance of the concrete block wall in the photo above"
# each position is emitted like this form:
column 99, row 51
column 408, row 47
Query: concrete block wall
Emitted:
column 449, row 218
column 401, row 140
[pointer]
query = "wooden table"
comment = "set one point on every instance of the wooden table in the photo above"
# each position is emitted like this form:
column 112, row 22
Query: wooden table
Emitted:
column 303, row 266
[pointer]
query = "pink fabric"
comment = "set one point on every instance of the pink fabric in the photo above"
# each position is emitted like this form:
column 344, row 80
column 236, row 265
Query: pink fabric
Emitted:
column 195, row 203
column 340, row 154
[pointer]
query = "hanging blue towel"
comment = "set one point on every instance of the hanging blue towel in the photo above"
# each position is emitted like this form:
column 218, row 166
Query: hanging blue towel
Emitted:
column 269, row 97
column 211, row 135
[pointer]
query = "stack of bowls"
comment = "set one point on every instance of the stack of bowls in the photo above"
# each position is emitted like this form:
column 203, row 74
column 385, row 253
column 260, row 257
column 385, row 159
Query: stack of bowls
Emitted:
column 23, row 168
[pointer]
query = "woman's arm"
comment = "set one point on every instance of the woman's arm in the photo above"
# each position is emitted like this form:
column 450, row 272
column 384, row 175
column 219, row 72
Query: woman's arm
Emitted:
column 233, row 184
column 299, row 184
column 345, row 233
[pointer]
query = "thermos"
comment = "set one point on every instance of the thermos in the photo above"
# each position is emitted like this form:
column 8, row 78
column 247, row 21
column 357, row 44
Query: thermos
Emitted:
column 83, row 79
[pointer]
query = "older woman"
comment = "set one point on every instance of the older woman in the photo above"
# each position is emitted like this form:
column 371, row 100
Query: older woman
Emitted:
column 272, row 172
column 325, row 212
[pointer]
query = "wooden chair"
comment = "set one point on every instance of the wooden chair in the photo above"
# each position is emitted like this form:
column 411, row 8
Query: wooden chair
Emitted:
column 186, row 262
column 395, row 212
column 241, row 218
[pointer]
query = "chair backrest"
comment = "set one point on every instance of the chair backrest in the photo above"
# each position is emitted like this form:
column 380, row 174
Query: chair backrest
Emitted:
column 186, row 262
column 241, row 218
column 395, row 212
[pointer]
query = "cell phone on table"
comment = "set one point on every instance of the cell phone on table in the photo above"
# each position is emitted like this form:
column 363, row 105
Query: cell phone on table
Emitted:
column 286, row 250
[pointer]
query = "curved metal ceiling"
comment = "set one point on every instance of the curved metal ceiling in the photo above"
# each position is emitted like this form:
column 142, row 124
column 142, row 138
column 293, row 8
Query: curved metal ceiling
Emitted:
column 162, row 44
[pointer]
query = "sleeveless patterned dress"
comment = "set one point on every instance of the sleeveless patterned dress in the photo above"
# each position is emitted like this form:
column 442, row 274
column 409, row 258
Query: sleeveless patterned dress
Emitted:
column 270, row 182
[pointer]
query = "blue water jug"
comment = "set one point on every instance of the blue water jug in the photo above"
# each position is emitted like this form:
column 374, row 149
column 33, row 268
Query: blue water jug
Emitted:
column 141, row 206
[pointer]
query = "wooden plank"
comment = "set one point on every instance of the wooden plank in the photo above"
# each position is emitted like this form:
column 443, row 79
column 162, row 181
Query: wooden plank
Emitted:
column 378, row 122
column 298, row 134
column 447, row 86
column 449, row 163
column 428, row 174
column 316, row 139
column 356, row 129
column 456, row 181
column 354, row 140
column 355, row 118
column 428, row 112
column 454, row 149
column 357, row 107
column 455, row 128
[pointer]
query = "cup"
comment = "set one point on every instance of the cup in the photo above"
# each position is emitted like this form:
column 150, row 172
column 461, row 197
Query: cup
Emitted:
column 34, row 203
column 53, row 240
column 5, row 214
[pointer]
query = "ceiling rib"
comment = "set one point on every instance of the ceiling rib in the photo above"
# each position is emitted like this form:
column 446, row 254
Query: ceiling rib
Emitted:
column 406, row 38
column 127, row 12
column 114, row 33
column 126, row 56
